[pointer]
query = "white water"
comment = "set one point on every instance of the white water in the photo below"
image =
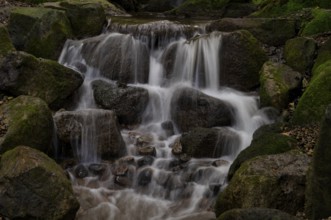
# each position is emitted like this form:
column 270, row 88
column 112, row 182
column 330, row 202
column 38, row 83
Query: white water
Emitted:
column 178, row 192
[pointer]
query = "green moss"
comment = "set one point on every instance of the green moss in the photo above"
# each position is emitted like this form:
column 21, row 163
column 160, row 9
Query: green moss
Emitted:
column 324, row 54
column 299, row 53
column 313, row 102
column 266, row 142
column 319, row 24
column 30, row 123
column 6, row 45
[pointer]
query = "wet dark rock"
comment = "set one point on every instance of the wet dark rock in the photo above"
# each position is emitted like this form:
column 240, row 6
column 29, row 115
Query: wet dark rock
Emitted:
column 123, row 181
column 191, row 108
column 128, row 5
column 127, row 160
column 177, row 148
column 144, row 177
column 272, row 181
column 145, row 161
column 215, row 188
column 168, row 127
column 121, row 170
column 24, row 74
column 6, row 45
column 33, row 186
column 219, row 163
column 97, row 169
column 108, row 141
column 147, row 150
column 184, row 158
column 144, row 140
column 128, row 102
column 255, row 214
column 81, row 171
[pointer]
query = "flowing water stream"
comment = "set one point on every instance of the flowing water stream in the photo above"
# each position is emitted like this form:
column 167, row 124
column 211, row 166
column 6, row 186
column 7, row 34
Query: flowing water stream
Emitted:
column 163, row 186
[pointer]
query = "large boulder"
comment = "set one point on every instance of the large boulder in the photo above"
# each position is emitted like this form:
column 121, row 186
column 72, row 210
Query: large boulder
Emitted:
column 280, row 84
column 24, row 74
column 270, row 181
column 267, row 140
column 323, row 55
column 317, row 96
column 319, row 24
column 241, row 59
column 191, row 108
column 271, row 31
column 33, row 186
column 255, row 214
column 94, row 133
column 208, row 142
column 39, row 31
column 299, row 53
column 128, row 5
column 29, row 122
column 117, row 56
column 6, row 45
column 127, row 102
column 318, row 196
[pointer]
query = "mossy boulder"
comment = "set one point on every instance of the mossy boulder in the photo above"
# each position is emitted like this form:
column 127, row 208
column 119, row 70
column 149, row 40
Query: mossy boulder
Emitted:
column 255, row 214
column 299, row 53
column 6, row 45
column 33, row 186
column 269, row 181
column 267, row 140
column 29, row 122
column 319, row 24
column 279, row 85
column 317, row 96
column 86, row 18
column 128, row 102
column 24, row 74
column 241, row 58
column 324, row 55
column 239, row 9
column 272, row 31
column 201, row 8
column 39, row 31
column 318, row 196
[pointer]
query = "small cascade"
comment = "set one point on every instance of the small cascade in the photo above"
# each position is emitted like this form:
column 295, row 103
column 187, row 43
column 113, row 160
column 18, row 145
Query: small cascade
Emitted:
column 155, row 177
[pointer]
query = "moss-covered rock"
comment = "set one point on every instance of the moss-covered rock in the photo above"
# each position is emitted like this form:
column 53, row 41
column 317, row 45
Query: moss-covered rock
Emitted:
column 33, row 186
column 279, row 85
column 24, row 74
column 255, row 214
column 272, row 31
column 6, row 45
column 201, row 8
column 267, row 140
column 324, row 54
column 39, row 31
column 29, row 122
column 86, row 18
column 319, row 24
column 241, row 58
column 312, row 104
column 270, row 181
column 299, row 53
column 318, row 196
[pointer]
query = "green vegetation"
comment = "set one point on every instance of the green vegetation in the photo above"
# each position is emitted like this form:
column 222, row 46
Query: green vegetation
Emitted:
column 319, row 24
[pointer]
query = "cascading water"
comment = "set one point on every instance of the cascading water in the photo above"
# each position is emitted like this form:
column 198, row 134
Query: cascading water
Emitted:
column 160, row 185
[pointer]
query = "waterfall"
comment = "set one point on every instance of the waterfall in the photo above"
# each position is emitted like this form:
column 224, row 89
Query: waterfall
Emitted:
column 162, row 58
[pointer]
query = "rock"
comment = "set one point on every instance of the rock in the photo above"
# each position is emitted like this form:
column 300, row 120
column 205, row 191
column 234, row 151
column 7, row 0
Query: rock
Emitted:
column 147, row 150
column 29, row 123
column 269, row 181
column 86, row 18
column 324, row 4
column 271, row 31
column 145, row 161
column 168, row 128
column 144, row 177
column 255, row 214
column 207, row 142
column 241, row 59
column 299, row 53
column 177, row 147
column 160, row 5
column 191, row 108
column 33, row 186
column 24, row 74
column 318, row 194
column 312, row 104
column 105, row 138
column 127, row 63
column 324, row 55
column 39, row 31
column 6, row 45
column 266, row 141
column 319, row 24
column 239, row 9
column 97, row 169
column 280, row 84
column 128, row 5
column 128, row 102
